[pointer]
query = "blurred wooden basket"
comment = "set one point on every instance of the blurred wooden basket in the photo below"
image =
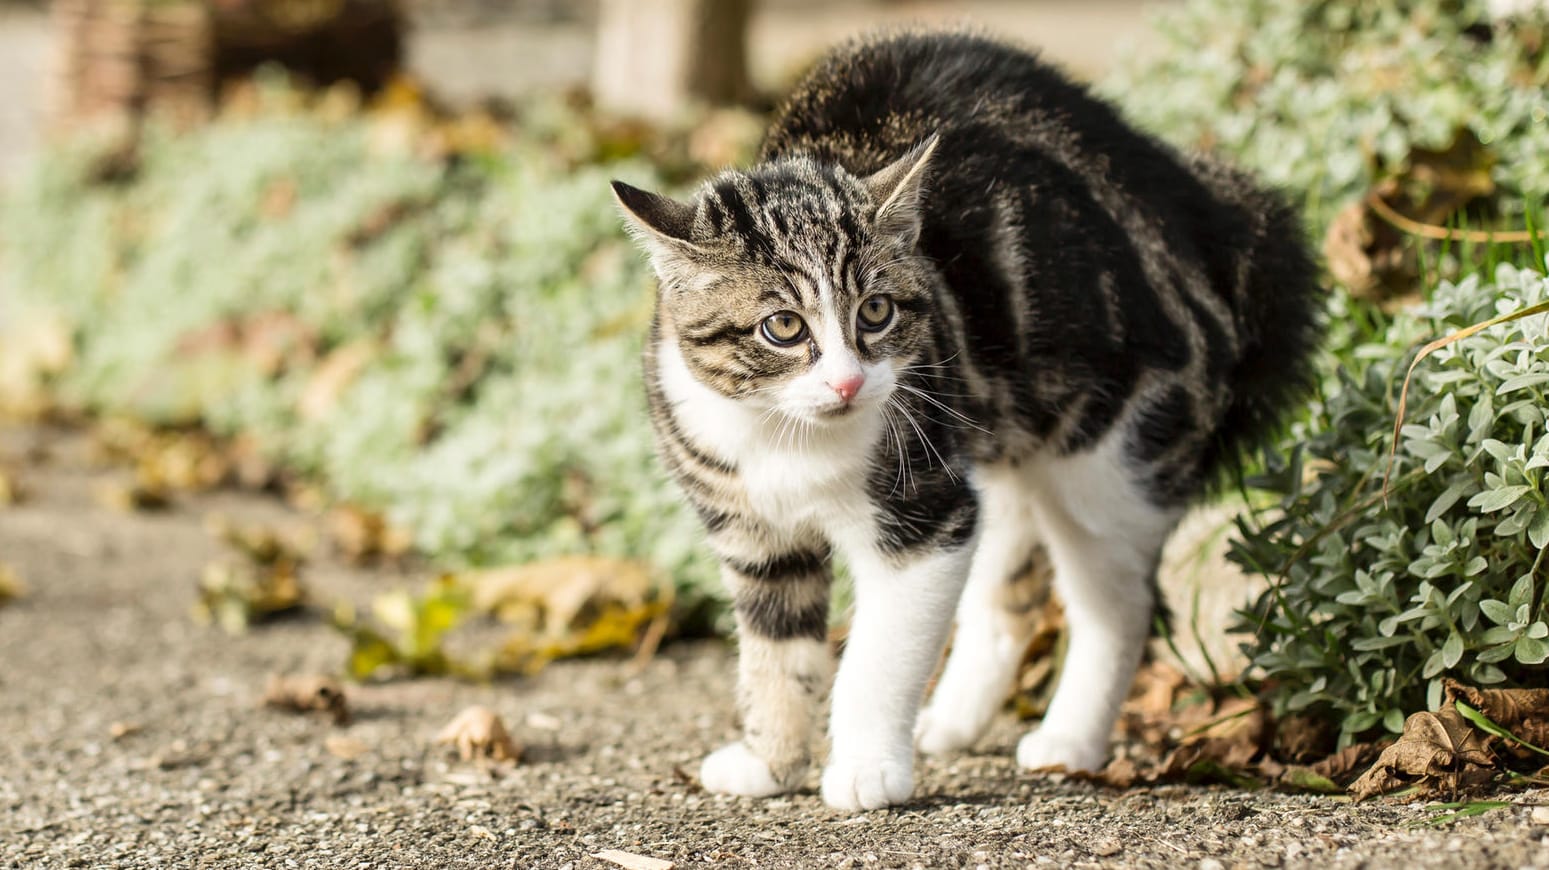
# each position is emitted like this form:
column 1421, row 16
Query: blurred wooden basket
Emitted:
column 118, row 60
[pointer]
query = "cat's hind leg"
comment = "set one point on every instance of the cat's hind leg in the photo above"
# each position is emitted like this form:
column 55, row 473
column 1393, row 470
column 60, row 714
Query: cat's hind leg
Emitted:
column 784, row 668
column 1104, row 536
column 996, row 617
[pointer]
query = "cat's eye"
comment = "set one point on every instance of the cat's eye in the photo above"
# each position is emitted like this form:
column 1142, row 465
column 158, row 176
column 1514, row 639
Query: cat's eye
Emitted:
column 784, row 328
column 876, row 313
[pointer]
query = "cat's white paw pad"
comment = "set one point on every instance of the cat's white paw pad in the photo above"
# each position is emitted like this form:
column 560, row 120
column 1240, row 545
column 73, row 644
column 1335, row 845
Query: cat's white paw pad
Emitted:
column 867, row 783
column 942, row 729
column 734, row 769
column 1043, row 748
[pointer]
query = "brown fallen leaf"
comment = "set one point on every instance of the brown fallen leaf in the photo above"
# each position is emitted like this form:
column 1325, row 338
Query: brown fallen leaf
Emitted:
column 570, row 606
column 308, row 693
column 347, row 748
column 11, row 586
column 11, row 490
column 631, row 861
column 1301, row 739
column 1439, row 753
column 1522, row 712
column 235, row 594
column 478, row 734
column 1347, row 764
column 133, row 496
column 362, row 535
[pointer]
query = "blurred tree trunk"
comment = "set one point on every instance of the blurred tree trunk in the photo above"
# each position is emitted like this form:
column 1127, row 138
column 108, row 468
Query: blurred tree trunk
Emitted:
column 654, row 57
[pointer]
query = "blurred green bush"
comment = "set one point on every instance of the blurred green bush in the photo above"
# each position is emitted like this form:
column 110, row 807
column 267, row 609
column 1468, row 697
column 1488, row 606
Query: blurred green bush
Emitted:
column 1325, row 97
column 451, row 338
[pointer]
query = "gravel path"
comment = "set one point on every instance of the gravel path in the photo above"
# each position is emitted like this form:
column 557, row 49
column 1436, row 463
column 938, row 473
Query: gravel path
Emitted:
column 200, row 775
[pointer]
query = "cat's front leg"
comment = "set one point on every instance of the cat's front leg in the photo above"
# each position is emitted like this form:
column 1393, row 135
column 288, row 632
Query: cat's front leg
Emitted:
column 903, row 609
column 783, row 669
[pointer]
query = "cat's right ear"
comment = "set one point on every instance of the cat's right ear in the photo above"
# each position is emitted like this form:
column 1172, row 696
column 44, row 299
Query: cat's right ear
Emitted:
column 663, row 226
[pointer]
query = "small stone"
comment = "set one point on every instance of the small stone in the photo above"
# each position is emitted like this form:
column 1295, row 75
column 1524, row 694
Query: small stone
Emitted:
column 1106, row 847
column 1541, row 815
column 1211, row 864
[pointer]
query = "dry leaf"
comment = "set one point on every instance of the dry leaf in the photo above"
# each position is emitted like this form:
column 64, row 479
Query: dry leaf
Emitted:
column 1301, row 739
column 1374, row 258
column 131, row 497
column 1438, row 752
column 362, row 535
column 567, row 607
column 11, row 491
column 308, row 693
column 1522, row 712
column 631, row 861
column 333, row 377
column 11, row 586
column 347, row 748
column 235, row 594
column 1345, row 765
column 479, row 734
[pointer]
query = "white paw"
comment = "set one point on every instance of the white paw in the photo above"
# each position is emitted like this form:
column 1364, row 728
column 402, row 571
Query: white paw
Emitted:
column 868, row 783
column 734, row 769
column 1043, row 749
column 944, row 729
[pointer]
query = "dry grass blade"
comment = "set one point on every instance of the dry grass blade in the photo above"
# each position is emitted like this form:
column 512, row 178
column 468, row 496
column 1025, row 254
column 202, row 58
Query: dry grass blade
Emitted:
column 1448, row 234
column 1427, row 350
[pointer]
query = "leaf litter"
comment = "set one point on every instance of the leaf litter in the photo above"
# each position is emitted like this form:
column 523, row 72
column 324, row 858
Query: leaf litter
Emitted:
column 259, row 582
column 1478, row 739
column 478, row 734
column 11, row 586
column 308, row 693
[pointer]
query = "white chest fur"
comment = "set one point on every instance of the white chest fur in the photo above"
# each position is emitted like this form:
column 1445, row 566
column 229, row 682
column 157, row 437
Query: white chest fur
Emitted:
column 796, row 476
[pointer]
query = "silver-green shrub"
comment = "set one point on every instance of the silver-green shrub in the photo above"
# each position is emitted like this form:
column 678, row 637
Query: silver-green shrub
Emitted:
column 1311, row 93
column 500, row 417
column 1374, row 600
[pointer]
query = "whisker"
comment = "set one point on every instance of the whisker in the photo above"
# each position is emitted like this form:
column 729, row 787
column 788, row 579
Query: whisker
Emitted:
column 953, row 412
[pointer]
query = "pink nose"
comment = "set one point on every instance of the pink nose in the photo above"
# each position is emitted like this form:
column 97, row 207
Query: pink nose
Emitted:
column 848, row 387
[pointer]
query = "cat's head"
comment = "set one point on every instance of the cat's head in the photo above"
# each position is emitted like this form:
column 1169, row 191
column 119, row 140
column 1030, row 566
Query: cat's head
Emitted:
column 793, row 286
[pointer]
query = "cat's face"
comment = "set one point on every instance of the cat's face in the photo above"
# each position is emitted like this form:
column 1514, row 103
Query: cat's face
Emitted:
column 793, row 287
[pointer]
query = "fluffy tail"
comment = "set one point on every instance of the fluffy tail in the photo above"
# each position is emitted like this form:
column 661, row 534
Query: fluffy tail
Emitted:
column 1280, row 307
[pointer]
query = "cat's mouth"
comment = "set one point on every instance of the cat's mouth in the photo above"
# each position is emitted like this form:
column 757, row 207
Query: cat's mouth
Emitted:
column 836, row 411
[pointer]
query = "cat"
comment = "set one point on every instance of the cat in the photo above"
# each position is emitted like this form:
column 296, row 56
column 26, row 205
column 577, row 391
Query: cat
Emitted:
column 959, row 319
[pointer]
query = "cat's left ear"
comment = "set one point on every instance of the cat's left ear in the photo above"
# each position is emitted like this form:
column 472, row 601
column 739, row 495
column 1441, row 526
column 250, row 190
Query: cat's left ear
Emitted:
column 899, row 190
column 663, row 226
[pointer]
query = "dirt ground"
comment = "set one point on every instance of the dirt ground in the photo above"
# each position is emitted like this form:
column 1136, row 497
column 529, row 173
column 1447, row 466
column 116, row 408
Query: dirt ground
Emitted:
column 200, row 775
column 131, row 736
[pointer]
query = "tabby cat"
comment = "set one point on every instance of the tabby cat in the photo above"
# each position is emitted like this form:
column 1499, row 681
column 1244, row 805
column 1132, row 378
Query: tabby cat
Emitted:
column 958, row 319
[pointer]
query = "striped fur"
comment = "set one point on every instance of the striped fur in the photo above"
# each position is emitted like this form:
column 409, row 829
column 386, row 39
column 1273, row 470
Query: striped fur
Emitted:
column 1084, row 328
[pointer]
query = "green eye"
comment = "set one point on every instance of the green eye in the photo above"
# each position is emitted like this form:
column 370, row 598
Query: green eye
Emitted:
column 876, row 313
column 784, row 328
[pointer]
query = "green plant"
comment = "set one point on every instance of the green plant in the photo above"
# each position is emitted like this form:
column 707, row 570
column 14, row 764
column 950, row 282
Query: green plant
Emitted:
column 1324, row 97
column 454, row 344
column 1376, row 597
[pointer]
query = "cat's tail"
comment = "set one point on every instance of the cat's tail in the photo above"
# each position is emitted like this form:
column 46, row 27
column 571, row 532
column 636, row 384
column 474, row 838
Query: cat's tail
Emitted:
column 1280, row 314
